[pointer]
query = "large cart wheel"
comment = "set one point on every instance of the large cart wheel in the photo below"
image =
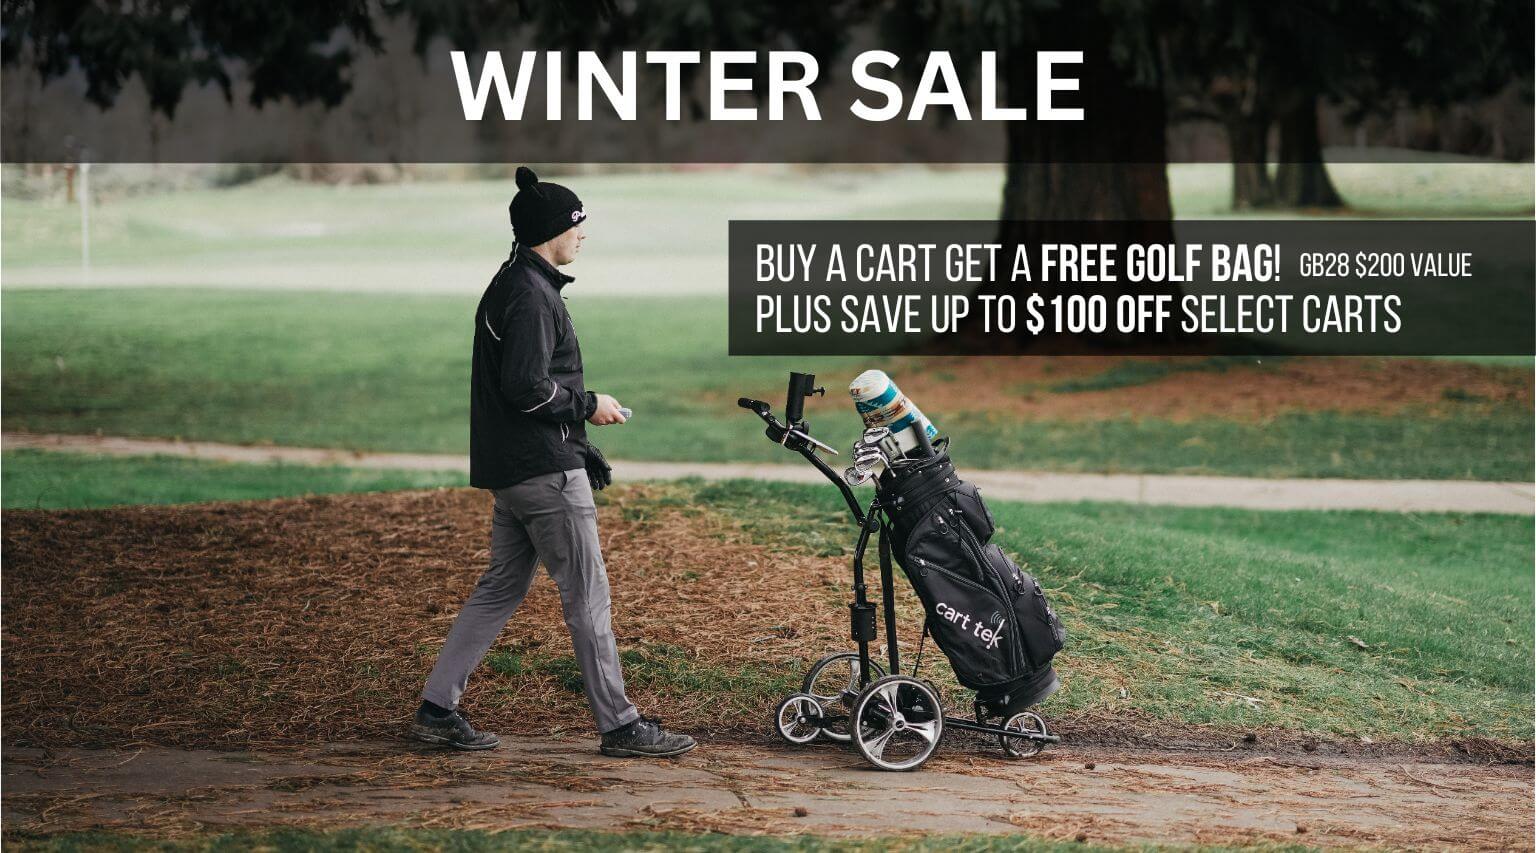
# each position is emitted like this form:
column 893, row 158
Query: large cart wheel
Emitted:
column 798, row 719
column 897, row 723
column 834, row 682
column 1025, row 723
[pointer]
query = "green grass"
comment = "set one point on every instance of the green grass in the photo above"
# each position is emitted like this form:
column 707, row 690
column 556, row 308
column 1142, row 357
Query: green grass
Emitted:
column 339, row 370
column 474, row 841
column 285, row 224
column 390, row 372
column 303, row 232
column 42, row 480
column 1191, row 610
column 1449, row 189
column 1468, row 446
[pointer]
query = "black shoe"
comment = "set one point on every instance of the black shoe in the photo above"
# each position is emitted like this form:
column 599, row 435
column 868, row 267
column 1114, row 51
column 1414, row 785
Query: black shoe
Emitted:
column 453, row 730
column 645, row 738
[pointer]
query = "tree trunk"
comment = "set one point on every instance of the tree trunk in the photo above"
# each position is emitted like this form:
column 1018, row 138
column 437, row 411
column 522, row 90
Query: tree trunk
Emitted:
column 1072, row 173
column 1302, row 179
column 1084, row 192
column 1248, row 136
column 1108, row 169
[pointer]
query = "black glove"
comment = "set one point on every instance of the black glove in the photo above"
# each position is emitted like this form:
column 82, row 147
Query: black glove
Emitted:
column 599, row 472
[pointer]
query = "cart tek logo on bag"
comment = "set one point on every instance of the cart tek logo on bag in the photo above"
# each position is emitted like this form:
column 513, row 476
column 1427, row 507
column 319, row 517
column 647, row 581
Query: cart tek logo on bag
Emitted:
column 990, row 636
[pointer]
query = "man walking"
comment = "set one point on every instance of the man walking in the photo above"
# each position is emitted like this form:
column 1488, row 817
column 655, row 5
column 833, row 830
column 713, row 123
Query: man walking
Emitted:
column 528, row 444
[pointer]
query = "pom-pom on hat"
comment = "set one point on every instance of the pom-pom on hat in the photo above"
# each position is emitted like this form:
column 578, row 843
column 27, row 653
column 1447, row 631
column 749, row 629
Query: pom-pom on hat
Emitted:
column 542, row 211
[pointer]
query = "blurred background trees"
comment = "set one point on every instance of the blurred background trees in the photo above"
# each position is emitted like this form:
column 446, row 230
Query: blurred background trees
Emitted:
column 1270, row 83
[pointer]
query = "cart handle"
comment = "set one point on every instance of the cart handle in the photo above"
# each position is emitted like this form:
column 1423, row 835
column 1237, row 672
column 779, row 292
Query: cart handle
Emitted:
column 799, row 439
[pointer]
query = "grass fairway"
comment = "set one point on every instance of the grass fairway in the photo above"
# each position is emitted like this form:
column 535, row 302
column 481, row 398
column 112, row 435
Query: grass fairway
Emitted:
column 41, row 480
column 390, row 372
column 1343, row 624
column 284, row 226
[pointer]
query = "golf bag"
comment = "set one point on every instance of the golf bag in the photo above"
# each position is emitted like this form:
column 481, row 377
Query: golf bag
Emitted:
column 989, row 617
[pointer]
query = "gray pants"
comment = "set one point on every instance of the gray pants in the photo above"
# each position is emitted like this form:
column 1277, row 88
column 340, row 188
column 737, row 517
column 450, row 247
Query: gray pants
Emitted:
column 551, row 518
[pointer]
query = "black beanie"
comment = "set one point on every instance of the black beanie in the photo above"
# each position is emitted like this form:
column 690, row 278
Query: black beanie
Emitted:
column 542, row 211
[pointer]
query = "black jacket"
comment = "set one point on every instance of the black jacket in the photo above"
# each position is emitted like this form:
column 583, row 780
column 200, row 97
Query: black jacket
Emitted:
column 528, row 407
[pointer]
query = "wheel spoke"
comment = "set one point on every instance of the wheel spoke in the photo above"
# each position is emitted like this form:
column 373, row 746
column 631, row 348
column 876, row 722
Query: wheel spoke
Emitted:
column 792, row 723
column 888, row 693
column 877, row 746
column 927, row 731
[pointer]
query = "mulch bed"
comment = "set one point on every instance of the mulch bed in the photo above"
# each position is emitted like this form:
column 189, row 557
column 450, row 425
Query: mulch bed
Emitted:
column 317, row 619
column 1247, row 392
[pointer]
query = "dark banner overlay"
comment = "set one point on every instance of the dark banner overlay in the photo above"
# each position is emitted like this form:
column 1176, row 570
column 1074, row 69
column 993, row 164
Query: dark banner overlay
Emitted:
column 1210, row 287
column 1043, row 83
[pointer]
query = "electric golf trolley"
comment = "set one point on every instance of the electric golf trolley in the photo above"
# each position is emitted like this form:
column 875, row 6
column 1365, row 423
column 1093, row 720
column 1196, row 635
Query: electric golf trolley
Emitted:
column 989, row 618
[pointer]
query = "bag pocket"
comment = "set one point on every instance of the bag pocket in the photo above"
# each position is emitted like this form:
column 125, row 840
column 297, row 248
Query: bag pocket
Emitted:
column 1039, row 630
column 1042, row 632
column 966, row 503
column 972, row 626
column 968, row 616
column 946, row 493
column 990, row 618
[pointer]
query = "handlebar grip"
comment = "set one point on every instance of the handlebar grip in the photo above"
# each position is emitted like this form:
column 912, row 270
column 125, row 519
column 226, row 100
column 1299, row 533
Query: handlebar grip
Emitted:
column 757, row 406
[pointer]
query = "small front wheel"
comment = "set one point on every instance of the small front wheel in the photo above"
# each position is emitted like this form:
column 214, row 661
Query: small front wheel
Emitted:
column 798, row 719
column 1030, row 737
column 897, row 723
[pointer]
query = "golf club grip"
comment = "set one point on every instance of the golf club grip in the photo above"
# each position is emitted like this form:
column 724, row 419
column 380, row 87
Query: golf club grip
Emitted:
column 924, row 445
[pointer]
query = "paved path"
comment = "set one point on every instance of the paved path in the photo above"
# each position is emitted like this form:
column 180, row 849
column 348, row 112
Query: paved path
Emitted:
column 1032, row 486
column 1097, row 795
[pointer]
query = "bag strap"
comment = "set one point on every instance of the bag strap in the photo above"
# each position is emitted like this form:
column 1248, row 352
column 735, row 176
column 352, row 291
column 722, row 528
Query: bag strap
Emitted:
column 920, row 641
